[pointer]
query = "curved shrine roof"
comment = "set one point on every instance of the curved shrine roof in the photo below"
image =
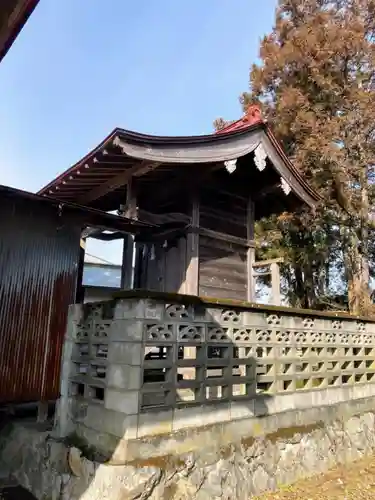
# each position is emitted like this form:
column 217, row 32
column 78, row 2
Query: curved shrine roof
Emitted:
column 124, row 154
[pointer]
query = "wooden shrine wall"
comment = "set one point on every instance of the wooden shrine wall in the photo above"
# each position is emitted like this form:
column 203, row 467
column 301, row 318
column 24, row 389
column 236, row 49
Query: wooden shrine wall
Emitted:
column 222, row 269
column 162, row 267
column 222, row 249
column 211, row 259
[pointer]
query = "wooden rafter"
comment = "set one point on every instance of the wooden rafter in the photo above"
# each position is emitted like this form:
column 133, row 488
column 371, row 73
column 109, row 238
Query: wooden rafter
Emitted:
column 117, row 181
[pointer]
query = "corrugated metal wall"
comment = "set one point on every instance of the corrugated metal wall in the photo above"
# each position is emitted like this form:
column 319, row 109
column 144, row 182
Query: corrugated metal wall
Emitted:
column 39, row 254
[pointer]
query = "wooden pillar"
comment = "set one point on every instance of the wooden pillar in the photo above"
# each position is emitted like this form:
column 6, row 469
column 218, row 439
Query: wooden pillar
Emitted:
column 192, row 262
column 250, row 251
column 275, row 284
column 128, row 249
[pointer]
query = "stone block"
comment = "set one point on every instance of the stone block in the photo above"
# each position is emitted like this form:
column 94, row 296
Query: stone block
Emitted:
column 261, row 405
column 155, row 423
column 370, row 327
column 68, row 349
column 64, row 424
column 226, row 316
column 75, row 312
column 129, row 309
column 126, row 402
column 154, row 309
column 184, row 418
column 363, row 391
column 72, row 329
column 254, row 318
column 103, row 442
column 120, row 453
column 279, row 402
column 242, row 409
column 324, row 397
column 126, row 353
column 111, row 422
column 202, row 313
column 124, row 377
column 330, row 396
column 66, row 373
column 125, row 330
column 303, row 399
column 67, row 368
column 346, row 325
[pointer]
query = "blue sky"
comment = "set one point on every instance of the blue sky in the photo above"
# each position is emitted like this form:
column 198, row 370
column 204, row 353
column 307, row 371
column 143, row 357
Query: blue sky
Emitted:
column 82, row 67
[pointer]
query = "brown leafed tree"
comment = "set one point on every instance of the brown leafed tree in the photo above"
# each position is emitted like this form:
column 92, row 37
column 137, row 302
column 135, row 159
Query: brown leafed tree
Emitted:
column 316, row 85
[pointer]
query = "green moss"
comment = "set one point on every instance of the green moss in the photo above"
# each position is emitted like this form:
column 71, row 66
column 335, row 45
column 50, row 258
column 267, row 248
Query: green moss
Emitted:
column 273, row 437
column 89, row 452
column 289, row 432
column 283, row 433
column 163, row 462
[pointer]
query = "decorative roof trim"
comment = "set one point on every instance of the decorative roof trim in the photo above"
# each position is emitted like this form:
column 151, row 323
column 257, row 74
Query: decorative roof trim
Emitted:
column 285, row 186
column 260, row 157
column 230, row 165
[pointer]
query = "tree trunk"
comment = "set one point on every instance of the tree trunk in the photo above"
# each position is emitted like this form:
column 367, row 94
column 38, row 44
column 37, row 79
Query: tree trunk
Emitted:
column 359, row 293
column 358, row 282
column 301, row 294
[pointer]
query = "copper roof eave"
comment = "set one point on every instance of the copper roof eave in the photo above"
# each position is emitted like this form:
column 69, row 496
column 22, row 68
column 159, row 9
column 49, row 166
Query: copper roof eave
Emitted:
column 74, row 168
column 13, row 16
column 195, row 149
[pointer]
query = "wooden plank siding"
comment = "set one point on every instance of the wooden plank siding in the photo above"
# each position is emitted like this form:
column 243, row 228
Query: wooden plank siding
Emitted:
column 223, row 221
column 222, row 269
column 223, row 261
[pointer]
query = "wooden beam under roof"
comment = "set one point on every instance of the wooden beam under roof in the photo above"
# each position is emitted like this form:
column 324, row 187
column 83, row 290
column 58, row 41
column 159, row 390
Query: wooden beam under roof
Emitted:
column 117, row 181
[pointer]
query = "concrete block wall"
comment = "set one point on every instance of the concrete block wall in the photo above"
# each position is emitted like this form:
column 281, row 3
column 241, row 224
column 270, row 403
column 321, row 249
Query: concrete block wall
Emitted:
column 147, row 365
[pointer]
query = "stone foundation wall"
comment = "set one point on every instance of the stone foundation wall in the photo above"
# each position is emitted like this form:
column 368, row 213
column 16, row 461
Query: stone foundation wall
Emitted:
column 149, row 364
column 190, row 399
column 229, row 463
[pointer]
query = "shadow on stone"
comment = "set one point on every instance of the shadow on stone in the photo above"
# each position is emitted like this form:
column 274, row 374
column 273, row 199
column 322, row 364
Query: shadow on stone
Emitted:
column 15, row 493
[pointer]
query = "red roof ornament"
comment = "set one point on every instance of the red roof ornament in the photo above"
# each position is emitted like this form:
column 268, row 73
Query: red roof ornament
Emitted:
column 252, row 116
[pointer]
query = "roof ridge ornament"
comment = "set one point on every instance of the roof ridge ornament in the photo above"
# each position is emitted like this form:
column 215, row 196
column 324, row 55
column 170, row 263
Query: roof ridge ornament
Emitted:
column 253, row 114
column 260, row 157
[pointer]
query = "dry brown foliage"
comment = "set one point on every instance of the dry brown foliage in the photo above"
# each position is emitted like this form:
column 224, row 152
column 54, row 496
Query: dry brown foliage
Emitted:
column 316, row 85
